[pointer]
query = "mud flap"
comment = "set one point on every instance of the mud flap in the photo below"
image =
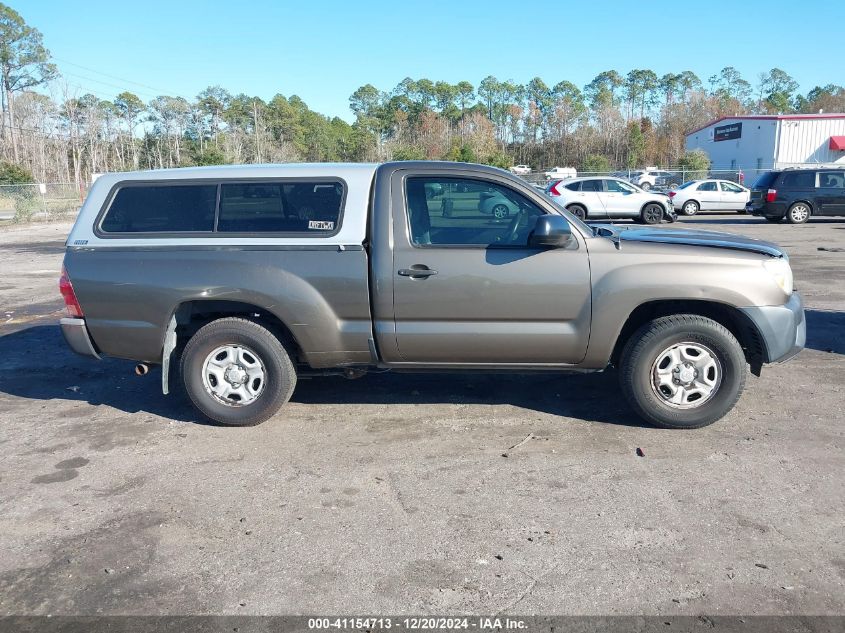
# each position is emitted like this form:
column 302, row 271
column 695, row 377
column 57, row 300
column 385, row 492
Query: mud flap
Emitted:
column 167, row 354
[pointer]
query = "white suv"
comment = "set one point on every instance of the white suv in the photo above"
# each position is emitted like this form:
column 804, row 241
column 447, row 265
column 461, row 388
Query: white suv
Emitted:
column 648, row 179
column 598, row 198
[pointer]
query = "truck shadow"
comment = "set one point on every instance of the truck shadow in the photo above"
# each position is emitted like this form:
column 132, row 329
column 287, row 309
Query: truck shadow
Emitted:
column 824, row 330
column 37, row 365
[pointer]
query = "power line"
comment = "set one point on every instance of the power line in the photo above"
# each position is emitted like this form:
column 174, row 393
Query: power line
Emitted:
column 105, row 83
column 158, row 91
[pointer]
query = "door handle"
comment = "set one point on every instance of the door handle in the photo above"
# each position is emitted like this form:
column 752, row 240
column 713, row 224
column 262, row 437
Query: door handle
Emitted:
column 417, row 271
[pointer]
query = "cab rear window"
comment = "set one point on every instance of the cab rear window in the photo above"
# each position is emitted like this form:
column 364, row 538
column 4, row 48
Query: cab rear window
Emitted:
column 305, row 207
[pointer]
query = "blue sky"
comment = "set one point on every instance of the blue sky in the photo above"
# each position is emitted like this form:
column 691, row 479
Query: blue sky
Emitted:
column 323, row 51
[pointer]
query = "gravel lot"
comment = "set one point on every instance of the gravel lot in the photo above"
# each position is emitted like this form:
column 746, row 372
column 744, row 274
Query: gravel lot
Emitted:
column 402, row 494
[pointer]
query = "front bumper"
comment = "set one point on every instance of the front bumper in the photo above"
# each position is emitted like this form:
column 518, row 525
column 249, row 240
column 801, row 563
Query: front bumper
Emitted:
column 783, row 329
column 77, row 337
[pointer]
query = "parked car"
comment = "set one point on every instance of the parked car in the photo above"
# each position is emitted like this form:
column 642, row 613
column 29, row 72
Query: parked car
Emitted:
column 245, row 295
column 709, row 195
column 601, row 198
column 560, row 172
column 498, row 205
column 672, row 181
column 798, row 194
column 647, row 179
column 521, row 170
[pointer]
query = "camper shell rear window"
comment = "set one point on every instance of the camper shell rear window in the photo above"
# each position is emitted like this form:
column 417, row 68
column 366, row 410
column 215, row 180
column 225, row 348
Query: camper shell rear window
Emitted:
column 304, row 207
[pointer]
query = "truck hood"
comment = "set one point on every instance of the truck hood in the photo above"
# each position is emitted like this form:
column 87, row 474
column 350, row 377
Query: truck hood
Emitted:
column 712, row 239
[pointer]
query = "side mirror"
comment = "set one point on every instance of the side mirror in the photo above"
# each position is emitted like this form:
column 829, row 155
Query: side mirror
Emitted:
column 550, row 231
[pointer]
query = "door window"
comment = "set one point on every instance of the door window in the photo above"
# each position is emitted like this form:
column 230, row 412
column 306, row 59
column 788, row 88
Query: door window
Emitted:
column 464, row 211
column 730, row 187
column 707, row 186
column 618, row 186
column 832, row 180
column 591, row 185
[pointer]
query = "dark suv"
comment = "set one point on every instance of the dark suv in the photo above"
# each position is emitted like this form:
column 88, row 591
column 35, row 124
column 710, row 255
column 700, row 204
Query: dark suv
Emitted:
column 796, row 194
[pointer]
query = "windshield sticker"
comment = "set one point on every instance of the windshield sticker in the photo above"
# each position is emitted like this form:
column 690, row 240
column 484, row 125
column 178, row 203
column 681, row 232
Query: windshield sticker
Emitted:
column 320, row 225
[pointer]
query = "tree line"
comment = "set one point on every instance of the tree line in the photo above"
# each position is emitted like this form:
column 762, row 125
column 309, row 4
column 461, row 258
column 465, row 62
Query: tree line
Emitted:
column 615, row 121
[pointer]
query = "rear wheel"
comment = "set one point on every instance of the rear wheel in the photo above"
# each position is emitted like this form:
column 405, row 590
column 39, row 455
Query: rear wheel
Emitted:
column 798, row 213
column 237, row 372
column 578, row 211
column 690, row 207
column 652, row 213
column 646, row 186
column 682, row 371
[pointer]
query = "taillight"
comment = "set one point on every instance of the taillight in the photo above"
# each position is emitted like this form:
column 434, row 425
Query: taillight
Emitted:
column 771, row 194
column 553, row 190
column 71, row 302
column 672, row 194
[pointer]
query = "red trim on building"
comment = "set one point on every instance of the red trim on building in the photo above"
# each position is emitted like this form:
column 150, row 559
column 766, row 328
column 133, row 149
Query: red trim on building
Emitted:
column 837, row 143
column 770, row 117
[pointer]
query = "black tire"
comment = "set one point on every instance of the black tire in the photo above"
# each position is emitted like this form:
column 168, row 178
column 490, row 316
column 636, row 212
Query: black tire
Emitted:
column 772, row 219
column 690, row 207
column 651, row 341
column 652, row 213
column 279, row 373
column 799, row 213
column 578, row 211
column 646, row 186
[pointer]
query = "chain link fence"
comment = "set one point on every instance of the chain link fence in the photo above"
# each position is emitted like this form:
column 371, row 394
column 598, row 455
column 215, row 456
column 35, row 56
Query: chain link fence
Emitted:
column 671, row 178
column 50, row 202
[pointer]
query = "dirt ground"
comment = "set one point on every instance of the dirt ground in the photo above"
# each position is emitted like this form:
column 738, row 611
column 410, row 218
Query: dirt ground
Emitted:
column 401, row 493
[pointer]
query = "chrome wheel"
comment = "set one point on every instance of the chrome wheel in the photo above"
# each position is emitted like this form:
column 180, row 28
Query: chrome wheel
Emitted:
column 686, row 375
column 500, row 211
column 233, row 375
column 799, row 213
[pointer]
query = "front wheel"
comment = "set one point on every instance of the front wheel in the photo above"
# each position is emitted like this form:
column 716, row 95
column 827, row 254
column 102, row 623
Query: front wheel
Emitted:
column 236, row 372
column 682, row 371
column 651, row 214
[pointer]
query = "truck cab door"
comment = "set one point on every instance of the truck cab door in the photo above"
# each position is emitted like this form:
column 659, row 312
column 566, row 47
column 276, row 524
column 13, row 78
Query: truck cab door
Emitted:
column 467, row 289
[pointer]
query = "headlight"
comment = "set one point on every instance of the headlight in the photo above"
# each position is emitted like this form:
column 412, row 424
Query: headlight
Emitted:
column 781, row 272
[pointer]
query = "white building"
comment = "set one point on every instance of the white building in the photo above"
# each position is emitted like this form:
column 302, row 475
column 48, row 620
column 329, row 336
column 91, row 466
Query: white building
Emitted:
column 757, row 142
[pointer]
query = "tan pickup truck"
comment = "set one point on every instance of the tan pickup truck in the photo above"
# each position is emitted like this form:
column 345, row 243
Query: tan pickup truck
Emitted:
column 246, row 277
